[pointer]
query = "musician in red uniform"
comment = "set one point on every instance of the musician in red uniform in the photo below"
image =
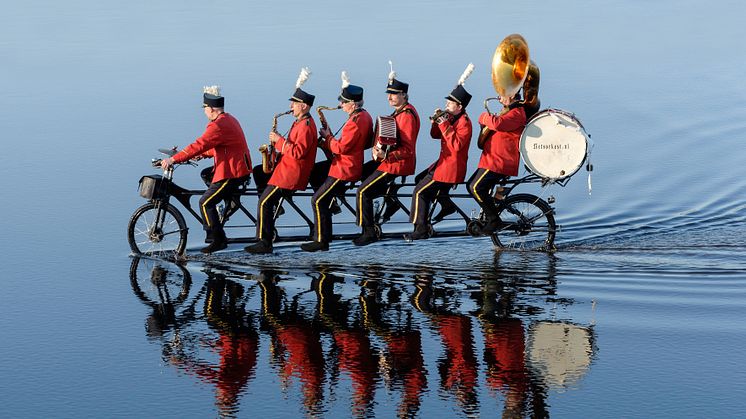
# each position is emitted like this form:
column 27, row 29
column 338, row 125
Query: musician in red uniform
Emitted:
column 453, row 128
column 295, row 343
column 500, row 156
column 403, row 363
column 399, row 161
column 347, row 162
column 236, row 346
column 224, row 141
column 291, row 174
column 458, row 369
column 355, row 354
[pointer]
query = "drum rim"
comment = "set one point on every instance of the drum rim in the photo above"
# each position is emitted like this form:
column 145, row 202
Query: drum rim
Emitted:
column 543, row 113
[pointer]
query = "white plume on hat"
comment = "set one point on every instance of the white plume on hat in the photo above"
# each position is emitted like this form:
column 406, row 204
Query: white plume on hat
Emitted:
column 212, row 90
column 392, row 73
column 305, row 72
column 345, row 79
column 466, row 74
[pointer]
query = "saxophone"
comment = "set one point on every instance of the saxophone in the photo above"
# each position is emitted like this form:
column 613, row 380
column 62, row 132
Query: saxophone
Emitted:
column 269, row 154
column 324, row 124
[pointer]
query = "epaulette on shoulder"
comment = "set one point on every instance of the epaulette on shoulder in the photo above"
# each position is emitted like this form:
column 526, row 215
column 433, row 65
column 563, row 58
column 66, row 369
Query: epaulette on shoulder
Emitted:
column 308, row 121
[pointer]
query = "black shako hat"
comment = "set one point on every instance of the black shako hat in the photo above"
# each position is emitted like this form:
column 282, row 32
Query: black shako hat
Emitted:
column 213, row 101
column 396, row 86
column 351, row 93
column 303, row 97
column 460, row 95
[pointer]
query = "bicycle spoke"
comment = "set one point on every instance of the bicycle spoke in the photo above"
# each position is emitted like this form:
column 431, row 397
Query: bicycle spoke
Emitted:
column 528, row 224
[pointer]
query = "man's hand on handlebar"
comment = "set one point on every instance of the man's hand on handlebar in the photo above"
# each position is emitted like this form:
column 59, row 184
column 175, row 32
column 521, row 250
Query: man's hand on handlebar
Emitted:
column 167, row 162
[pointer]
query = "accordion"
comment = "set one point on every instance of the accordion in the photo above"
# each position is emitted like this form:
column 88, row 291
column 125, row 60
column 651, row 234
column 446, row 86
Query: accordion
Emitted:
column 386, row 136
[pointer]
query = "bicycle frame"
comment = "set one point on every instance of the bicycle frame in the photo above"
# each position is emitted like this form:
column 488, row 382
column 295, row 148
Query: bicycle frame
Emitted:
column 385, row 207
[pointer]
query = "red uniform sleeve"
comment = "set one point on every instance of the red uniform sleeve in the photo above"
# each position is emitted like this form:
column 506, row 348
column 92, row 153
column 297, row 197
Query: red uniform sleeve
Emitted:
column 512, row 120
column 348, row 142
column 457, row 136
column 408, row 127
column 302, row 138
column 201, row 146
column 435, row 131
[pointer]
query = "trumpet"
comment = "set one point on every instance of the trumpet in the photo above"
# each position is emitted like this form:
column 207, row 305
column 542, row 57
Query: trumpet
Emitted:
column 437, row 114
column 269, row 154
column 325, row 125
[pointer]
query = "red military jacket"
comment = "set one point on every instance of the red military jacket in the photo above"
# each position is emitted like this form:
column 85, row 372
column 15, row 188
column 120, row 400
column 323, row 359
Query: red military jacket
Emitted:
column 459, row 373
column 347, row 162
column 408, row 367
column 298, row 155
column 504, row 355
column 305, row 360
column 402, row 161
column 454, row 148
column 501, row 149
column 223, row 140
column 356, row 356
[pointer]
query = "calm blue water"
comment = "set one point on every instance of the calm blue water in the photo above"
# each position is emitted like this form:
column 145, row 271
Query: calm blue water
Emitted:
column 638, row 314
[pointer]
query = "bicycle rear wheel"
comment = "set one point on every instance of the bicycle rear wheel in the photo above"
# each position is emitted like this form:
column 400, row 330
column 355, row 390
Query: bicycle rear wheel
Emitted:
column 158, row 231
column 527, row 224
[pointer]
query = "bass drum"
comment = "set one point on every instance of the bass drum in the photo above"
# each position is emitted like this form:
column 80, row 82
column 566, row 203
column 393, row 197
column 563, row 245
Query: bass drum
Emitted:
column 559, row 353
column 554, row 144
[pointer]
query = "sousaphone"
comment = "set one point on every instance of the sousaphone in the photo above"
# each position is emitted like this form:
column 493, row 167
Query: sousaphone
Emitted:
column 511, row 66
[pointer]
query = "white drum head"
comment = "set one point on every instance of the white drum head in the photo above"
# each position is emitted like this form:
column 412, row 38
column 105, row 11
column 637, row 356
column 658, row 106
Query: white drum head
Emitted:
column 554, row 144
column 560, row 353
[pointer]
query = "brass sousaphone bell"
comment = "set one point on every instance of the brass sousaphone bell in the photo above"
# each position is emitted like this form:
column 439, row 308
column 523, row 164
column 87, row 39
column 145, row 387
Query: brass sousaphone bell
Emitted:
column 510, row 68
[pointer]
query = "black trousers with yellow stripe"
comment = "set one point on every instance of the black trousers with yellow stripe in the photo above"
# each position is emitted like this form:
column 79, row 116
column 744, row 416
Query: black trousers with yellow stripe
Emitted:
column 373, row 187
column 266, row 210
column 321, row 201
column 480, row 185
column 426, row 191
column 216, row 192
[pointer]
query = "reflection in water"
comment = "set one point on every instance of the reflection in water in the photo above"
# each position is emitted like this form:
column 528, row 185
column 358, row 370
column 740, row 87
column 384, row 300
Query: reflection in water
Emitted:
column 504, row 342
column 296, row 342
column 352, row 351
column 402, row 363
column 458, row 365
column 373, row 334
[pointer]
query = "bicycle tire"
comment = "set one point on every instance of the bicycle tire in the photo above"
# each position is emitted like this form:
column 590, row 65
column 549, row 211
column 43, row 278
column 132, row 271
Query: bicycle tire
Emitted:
column 145, row 238
column 156, row 283
column 527, row 224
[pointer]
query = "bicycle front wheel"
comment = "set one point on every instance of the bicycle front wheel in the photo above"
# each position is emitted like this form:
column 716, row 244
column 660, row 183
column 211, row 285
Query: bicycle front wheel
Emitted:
column 527, row 224
column 157, row 230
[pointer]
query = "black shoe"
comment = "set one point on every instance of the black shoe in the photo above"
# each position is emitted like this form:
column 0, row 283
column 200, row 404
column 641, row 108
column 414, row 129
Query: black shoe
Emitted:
column 215, row 246
column 444, row 212
column 490, row 227
column 420, row 232
column 262, row 246
column 391, row 208
column 315, row 246
column 369, row 236
column 335, row 208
